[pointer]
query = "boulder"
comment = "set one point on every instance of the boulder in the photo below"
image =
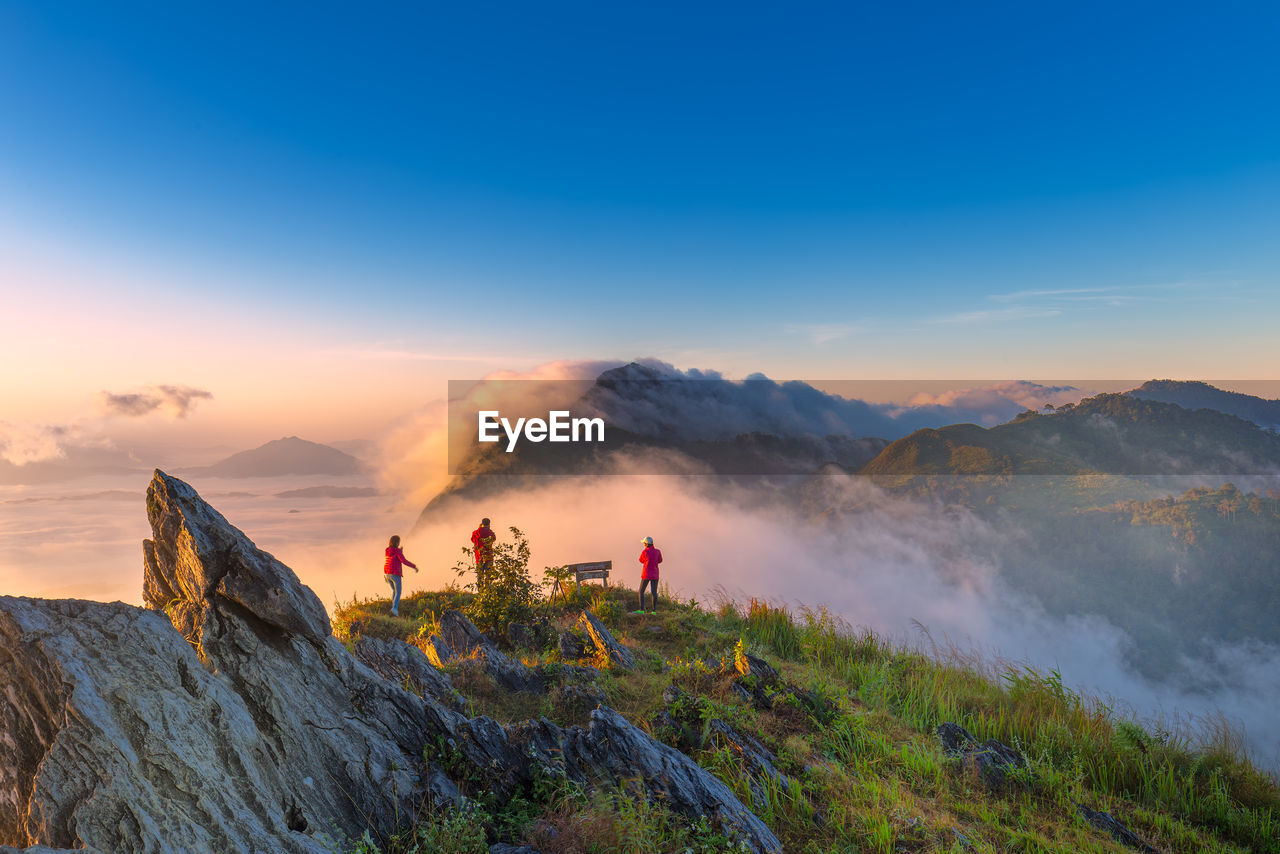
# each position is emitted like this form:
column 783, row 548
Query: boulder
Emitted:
column 465, row 639
column 749, row 665
column 617, row 654
column 571, row 646
column 683, row 720
column 1109, row 824
column 522, row 636
column 991, row 760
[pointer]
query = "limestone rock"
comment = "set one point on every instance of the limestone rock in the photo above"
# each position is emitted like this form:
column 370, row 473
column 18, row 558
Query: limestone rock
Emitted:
column 750, row 665
column 408, row 666
column 1108, row 823
column 571, row 646
column 991, row 760
column 121, row 741
column 618, row 655
column 465, row 639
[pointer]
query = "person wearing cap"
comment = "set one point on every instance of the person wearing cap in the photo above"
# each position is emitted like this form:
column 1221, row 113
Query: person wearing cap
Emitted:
column 649, row 560
column 482, row 544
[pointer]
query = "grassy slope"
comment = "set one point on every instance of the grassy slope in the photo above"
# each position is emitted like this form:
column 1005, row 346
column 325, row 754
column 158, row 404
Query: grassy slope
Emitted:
column 870, row 778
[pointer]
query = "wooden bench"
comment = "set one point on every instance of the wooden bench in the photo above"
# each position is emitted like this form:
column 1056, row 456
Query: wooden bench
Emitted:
column 586, row 571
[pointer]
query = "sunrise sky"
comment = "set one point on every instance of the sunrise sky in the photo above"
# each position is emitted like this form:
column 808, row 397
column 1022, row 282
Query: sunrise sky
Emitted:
column 320, row 214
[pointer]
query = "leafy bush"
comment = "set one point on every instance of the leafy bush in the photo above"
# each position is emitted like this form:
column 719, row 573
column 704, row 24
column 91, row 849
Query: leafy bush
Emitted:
column 459, row 831
column 508, row 594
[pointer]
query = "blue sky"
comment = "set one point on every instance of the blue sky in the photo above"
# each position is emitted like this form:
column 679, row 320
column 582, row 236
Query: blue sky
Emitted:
column 817, row 190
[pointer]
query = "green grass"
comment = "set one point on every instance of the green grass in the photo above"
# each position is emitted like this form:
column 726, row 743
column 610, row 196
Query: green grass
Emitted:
column 857, row 742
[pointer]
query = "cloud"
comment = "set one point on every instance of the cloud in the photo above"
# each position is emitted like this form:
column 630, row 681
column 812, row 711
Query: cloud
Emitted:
column 995, row 403
column 413, row 455
column 991, row 315
column 175, row 400
column 874, row 559
column 24, row 443
column 656, row 399
column 1071, row 293
column 822, row 333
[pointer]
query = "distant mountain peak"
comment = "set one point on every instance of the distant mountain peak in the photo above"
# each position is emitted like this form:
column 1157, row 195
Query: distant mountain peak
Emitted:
column 288, row 455
column 1194, row 394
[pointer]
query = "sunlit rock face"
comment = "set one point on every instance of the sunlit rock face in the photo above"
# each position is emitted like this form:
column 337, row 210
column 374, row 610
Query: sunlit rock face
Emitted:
column 226, row 717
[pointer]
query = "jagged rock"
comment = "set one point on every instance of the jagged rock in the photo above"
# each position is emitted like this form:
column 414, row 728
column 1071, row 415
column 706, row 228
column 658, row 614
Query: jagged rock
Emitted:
column 100, row 695
column 618, row 655
column 252, row 731
column 506, row 848
column 258, row 732
column 576, row 700
column 612, row 748
column 955, row 738
column 522, row 635
column 1108, row 823
column 464, row 639
column 571, row 646
column 436, row 650
column 757, row 760
column 406, row 665
column 991, row 759
column 749, row 665
column 742, row 693
column 554, row 671
column 197, row 557
column 683, row 717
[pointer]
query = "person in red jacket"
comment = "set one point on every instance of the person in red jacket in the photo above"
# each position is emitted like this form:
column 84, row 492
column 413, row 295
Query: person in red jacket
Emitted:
column 482, row 544
column 392, row 573
column 649, row 560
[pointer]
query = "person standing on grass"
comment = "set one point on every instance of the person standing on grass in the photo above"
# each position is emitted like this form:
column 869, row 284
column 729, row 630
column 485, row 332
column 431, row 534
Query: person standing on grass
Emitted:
column 392, row 573
column 482, row 544
column 649, row 560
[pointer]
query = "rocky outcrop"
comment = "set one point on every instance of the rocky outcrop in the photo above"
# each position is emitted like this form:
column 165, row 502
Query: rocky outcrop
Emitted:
column 617, row 654
column 762, row 671
column 683, row 721
column 122, row 741
column 408, row 667
column 459, row 637
column 1109, row 824
column 227, row 718
column 570, row 646
column 991, row 760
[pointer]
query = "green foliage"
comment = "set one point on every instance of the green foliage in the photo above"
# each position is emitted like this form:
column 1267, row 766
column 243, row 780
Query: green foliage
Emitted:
column 606, row 607
column 460, row 831
column 507, row 594
column 559, row 577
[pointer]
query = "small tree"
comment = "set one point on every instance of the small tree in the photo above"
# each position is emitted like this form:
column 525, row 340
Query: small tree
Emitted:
column 508, row 594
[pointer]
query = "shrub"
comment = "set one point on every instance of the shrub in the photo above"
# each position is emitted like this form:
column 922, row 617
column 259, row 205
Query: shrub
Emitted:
column 508, row 594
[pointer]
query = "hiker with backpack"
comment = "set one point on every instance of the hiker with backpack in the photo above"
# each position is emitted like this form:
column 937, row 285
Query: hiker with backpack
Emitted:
column 482, row 544
column 649, row 560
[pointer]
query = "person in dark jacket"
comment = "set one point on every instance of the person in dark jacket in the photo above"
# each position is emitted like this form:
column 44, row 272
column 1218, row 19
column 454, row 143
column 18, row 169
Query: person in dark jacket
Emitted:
column 649, row 560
